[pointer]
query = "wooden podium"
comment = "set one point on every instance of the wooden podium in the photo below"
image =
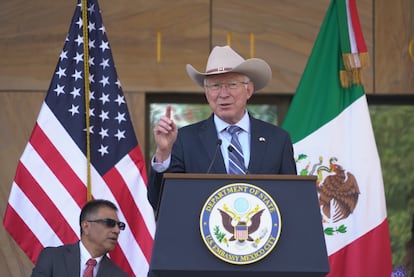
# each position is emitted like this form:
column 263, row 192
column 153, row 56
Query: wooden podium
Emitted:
column 179, row 249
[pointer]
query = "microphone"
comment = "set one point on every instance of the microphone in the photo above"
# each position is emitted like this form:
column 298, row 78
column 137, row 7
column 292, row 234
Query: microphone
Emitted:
column 231, row 149
column 214, row 156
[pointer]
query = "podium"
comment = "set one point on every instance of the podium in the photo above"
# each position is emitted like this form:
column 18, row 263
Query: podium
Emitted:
column 179, row 248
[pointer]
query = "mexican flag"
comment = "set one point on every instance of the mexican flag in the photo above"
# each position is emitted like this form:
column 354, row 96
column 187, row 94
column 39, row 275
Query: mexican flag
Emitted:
column 333, row 139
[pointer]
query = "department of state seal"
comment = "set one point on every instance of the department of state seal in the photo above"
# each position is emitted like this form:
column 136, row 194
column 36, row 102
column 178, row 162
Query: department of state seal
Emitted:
column 240, row 223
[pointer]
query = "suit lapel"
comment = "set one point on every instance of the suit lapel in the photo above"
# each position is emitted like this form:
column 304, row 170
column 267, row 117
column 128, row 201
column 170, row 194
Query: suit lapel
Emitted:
column 209, row 140
column 72, row 260
column 103, row 267
column 257, row 147
column 107, row 268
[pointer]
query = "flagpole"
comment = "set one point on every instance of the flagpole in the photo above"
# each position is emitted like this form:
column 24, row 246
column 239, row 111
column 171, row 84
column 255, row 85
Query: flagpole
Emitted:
column 86, row 86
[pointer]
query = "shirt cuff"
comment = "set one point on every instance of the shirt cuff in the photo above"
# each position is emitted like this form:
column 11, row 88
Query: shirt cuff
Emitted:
column 160, row 167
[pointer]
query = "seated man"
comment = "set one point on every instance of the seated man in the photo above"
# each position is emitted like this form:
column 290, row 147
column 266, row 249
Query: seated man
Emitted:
column 99, row 230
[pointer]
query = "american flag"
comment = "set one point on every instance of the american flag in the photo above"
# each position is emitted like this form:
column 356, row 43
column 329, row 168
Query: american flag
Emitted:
column 50, row 186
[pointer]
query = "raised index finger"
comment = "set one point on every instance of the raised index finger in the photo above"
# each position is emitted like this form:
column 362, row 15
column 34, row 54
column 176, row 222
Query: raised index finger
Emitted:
column 168, row 112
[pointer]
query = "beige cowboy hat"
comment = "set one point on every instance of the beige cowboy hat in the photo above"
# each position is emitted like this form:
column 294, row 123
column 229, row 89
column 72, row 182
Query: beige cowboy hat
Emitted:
column 224, row 59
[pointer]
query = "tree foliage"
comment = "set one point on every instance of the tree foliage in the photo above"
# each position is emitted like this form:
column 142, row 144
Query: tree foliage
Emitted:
column 394, row 133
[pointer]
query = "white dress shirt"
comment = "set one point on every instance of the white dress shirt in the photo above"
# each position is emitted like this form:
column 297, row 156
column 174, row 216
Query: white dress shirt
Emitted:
column 84, row 257
column 244, row 138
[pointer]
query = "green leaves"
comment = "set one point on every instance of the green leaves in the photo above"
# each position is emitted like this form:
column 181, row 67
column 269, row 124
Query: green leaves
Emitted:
column 218, row 234
column 330, row 231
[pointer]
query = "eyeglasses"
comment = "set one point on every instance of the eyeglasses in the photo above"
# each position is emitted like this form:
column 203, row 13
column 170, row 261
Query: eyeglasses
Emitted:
column 232, row 85
column 109, row 222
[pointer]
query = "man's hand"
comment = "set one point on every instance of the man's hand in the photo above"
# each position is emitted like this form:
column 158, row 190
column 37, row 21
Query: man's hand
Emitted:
column 165, row 134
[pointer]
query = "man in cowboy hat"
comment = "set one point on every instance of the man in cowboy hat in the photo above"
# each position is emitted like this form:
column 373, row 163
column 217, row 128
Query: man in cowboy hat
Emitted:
column 207, row 146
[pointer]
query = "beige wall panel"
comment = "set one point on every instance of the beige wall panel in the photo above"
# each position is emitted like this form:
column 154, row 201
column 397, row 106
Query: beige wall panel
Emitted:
column 284, row 31
column 394, row 39
column 32, row 35
column 132, row 31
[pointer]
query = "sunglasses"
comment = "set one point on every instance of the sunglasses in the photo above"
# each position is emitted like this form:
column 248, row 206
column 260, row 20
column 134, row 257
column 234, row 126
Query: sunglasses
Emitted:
column 109, row 222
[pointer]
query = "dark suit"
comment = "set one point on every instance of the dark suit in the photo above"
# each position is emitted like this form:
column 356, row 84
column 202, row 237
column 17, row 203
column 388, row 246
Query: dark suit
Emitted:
column 64, row 261
column 271, row 152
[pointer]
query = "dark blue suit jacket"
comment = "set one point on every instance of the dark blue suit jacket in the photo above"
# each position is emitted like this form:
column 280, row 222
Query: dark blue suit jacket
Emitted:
column 271, row 152
column 64, row 261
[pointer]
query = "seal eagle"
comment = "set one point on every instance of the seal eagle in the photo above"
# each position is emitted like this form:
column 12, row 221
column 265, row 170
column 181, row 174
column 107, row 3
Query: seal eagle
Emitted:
column 227, row 220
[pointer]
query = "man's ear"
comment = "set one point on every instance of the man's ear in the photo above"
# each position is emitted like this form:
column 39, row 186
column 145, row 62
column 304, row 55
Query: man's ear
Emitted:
column 85, row 227
column 250, row 89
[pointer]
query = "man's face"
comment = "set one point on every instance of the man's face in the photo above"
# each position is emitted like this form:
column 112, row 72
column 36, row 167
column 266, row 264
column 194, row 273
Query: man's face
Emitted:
column 227, row 95
column 97, row 237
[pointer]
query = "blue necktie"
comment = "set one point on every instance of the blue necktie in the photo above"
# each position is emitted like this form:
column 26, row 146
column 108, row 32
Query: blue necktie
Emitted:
column 236, row 159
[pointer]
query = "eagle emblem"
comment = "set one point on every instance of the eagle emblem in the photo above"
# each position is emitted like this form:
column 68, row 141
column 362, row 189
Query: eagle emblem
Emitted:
column 241, row 228
column 240, row 223
column 338, row 190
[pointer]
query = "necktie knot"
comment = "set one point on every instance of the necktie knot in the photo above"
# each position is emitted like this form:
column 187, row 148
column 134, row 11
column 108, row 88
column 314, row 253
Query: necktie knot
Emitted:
column 91, row 262
column 233, row 129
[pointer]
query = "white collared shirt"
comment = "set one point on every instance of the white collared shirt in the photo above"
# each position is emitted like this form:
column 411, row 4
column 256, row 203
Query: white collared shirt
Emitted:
column 84, row 257
column 244, row 138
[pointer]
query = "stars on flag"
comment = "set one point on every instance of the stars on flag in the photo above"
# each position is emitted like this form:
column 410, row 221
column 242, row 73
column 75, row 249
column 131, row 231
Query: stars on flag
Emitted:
column 107, row 107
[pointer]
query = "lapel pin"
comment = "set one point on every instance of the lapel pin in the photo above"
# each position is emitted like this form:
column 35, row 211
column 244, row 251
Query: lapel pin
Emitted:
column 262, row 139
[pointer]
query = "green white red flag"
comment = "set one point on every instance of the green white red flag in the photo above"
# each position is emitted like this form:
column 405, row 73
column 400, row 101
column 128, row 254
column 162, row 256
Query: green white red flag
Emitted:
column 333, row 139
